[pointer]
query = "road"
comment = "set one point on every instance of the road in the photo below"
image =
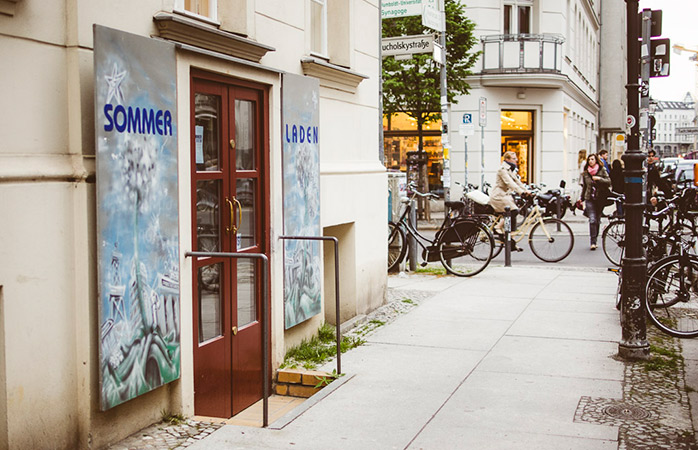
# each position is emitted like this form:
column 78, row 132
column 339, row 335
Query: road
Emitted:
column 581, row 256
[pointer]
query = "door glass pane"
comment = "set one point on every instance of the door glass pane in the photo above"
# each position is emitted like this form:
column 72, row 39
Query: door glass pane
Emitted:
column 246, row 193
column 207, row 229
column 210, row 311
column 244, row 134
column 247, row 306
column 206, row 131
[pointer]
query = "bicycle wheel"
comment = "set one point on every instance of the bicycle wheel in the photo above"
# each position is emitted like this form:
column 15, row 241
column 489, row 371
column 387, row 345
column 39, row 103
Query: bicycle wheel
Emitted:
column 552, row 240
column 613, row 241
column 465, row 249
column 397, row 246
column 671, row 296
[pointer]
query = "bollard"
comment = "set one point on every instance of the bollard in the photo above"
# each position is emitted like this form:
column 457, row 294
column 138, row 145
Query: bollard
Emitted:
column 411, row 241
column 507, row 237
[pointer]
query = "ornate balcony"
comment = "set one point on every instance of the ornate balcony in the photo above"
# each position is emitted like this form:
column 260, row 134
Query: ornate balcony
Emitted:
column 522, row 59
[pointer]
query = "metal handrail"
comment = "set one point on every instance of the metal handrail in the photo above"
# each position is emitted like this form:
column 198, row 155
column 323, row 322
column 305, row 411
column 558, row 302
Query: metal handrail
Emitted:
column 265, row 321
column 336, row 288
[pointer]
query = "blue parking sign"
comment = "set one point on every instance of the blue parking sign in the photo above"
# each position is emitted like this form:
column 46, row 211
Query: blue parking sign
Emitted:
column 467, row 118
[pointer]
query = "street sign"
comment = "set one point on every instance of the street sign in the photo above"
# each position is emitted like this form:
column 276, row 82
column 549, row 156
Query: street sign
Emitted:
column 656, row 28
column 467, row 128
column 686, row 130
column 431, row 17
column 630, row 121
column 659, row 64
column 404, row 8
column 483, row 112
column 407, row 45
column 439, row 55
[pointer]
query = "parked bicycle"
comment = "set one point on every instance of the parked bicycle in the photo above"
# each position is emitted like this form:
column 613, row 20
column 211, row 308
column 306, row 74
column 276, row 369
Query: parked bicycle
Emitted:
column 673, row 220
column 671, row 294
column 463, row 245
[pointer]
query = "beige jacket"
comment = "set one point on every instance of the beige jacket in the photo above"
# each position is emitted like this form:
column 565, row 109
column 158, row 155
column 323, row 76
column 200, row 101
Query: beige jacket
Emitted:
column 508, row 181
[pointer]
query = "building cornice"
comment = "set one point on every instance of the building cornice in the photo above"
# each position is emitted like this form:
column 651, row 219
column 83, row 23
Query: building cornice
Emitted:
column 331, row 75
column 178, row 28
column 536, row 81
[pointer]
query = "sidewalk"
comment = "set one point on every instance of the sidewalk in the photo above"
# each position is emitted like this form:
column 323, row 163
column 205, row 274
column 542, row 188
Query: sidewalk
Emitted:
column 514, row 358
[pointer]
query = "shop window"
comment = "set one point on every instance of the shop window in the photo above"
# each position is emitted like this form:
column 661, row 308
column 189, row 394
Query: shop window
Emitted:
column 517, row 136
column 401, row 136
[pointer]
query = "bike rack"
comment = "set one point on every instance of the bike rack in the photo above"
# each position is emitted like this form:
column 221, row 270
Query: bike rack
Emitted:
column 265, row 322
column 336, row 286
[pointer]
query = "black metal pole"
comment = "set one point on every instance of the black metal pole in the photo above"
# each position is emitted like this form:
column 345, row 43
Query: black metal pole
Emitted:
column 507, row 236
column 633, row 344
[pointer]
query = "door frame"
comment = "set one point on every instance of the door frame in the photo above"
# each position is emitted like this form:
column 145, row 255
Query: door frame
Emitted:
column 263, row 116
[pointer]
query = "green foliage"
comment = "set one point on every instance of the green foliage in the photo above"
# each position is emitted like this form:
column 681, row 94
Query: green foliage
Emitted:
column 319, row 349
column 172, row 419
column 324, row 381
column 408, row 301
column 665, row 358
column 413, row 86
column 431, row 270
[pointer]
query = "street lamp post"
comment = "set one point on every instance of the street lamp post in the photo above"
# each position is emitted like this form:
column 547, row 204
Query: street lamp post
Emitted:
column 633, row 344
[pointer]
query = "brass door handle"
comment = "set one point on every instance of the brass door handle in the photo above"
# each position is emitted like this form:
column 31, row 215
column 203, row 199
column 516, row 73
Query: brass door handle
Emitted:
column 239, row 207
column 235, row 331
column 232, row 226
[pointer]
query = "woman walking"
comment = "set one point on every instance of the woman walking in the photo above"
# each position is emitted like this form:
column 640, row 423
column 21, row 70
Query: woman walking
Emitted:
column 595, row 186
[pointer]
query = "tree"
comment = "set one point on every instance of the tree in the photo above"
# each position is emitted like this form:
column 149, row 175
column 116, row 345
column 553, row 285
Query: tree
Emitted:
column 413, row 86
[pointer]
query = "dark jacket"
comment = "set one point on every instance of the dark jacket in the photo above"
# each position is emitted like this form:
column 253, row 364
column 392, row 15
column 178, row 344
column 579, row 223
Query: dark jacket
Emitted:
column 601, row 185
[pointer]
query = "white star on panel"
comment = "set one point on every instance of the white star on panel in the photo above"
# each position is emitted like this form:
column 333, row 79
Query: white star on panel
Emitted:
column 114, row 81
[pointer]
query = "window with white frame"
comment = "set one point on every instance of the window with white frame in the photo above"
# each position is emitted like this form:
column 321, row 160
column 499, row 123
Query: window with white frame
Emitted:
column 517, row 16
column 202, row 8
column 318, row 27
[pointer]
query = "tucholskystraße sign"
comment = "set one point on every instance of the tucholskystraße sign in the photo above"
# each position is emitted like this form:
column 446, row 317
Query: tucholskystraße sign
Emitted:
column 406, row 45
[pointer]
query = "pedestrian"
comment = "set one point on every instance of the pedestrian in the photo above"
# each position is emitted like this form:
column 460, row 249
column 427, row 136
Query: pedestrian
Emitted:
column 618, row 183
column 653, row 175
column 507, row 181
column 596, row 183
column 603, row 158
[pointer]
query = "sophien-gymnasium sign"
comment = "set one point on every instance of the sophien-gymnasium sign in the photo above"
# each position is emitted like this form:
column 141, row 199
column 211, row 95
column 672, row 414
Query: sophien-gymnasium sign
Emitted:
column 137, row 214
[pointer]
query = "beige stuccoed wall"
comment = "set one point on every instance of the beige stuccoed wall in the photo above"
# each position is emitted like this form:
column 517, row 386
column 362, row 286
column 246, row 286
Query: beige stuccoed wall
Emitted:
column 48, row 290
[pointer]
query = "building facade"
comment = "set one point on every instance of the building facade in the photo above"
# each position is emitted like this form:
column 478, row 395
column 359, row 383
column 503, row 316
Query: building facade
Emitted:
column 538, row 83
column 670, row 115
column 229, row 85
column 613, row 66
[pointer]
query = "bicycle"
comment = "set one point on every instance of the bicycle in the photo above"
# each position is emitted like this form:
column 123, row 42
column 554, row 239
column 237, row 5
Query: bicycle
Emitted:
column 463, row 245
column 671, row 294
column 550, row 238
column 656, row 242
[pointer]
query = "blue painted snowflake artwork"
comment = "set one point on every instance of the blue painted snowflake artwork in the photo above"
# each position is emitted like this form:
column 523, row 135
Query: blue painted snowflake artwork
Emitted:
column 301, row 175
column 137, row 214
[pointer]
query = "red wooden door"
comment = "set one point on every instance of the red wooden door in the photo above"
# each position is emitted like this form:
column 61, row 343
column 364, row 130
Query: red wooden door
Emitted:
column 229, row 204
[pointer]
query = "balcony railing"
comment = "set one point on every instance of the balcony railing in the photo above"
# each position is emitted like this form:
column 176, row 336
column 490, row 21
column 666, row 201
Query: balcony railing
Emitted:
column 522, row 53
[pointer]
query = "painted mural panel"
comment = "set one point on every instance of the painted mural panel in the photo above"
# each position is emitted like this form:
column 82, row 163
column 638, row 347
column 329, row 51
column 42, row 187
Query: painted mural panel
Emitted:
column 137, row 214
column 301, row 175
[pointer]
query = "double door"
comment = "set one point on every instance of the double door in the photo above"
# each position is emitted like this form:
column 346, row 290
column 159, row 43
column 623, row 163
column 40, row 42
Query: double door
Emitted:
column 229, row 214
